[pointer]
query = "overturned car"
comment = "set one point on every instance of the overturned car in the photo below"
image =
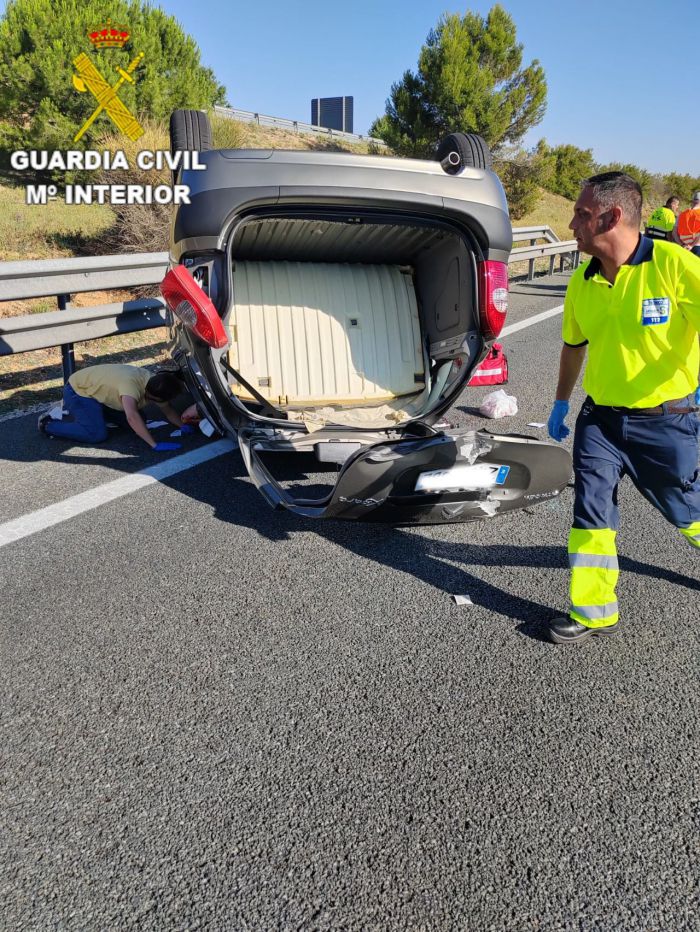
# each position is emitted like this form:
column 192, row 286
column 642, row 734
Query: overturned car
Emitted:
column 336, row 305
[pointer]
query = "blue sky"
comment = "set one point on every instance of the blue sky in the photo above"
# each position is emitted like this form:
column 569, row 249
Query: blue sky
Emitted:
column 623, row 78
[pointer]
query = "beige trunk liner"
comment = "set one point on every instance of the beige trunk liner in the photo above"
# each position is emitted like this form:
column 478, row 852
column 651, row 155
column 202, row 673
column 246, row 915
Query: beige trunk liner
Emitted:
column 328, row 342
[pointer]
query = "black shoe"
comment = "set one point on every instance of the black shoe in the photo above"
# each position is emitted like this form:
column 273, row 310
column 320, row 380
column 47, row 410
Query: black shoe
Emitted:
column 42, row 422
column 564, row 630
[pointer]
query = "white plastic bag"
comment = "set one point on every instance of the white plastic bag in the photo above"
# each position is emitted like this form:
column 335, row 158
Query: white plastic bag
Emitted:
column 499, row 404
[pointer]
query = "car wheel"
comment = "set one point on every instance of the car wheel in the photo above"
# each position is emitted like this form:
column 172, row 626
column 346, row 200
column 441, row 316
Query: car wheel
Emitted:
column 190, row 131
column 470, row 150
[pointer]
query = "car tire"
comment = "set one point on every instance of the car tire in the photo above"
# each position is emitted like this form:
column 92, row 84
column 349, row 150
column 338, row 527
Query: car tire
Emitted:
column 190, row 131
column 471, row 149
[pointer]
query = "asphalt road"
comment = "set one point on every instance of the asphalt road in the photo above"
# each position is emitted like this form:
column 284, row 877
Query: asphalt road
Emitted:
column 215, row 716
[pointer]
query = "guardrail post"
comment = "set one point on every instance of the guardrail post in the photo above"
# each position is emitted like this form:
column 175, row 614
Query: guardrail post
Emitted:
column 67, row 349
column 531, row 264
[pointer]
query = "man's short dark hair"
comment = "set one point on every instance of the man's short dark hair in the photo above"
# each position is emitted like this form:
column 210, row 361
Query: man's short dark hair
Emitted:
column 617, row 189
column 672, row 198
column 164, row 386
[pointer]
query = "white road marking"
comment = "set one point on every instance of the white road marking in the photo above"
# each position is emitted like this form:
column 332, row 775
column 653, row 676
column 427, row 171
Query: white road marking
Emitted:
column 69, row 508
column 35, row 521
column 521, row 325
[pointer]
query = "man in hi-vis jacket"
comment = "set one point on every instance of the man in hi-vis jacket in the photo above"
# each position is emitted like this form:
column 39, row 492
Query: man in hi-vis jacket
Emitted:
column 634, row 309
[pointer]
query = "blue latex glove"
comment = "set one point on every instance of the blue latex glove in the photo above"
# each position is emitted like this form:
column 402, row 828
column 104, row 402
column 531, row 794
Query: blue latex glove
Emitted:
column 166, row 446
column 697, row 396
column 187, row 429
column 555, row 425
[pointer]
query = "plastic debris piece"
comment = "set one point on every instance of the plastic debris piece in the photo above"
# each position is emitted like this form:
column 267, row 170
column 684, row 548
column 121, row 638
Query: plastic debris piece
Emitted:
column 474, row 447
column 176, row 433
column 206, row 427
column 461, row 600
column 499, row 404
column 535, row 424
column 151, row 425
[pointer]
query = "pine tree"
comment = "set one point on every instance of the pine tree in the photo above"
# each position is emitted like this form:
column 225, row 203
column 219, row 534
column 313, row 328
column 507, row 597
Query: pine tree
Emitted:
column 470, row 78
column 40, row 107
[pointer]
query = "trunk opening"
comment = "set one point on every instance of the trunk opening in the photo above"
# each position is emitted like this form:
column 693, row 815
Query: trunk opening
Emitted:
column 349, row 321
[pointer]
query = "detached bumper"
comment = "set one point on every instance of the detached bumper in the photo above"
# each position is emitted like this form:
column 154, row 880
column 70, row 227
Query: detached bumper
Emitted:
column 458, row 476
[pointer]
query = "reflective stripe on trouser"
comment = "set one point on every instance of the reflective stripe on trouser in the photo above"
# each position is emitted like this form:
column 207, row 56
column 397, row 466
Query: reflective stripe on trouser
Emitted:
column 594, row 572
column 692, row 534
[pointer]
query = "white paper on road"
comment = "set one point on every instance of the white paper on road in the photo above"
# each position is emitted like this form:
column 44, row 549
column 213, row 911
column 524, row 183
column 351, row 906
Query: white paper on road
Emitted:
column 151, row 425
column 461, row 600
column 535, row 424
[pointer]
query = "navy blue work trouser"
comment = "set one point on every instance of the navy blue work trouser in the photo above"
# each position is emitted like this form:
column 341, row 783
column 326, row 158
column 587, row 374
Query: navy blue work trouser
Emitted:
column 659, row 452
column 84, row 419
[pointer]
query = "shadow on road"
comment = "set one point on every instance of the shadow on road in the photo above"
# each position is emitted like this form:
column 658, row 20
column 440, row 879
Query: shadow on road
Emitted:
column 226, row 489
column 439, row 563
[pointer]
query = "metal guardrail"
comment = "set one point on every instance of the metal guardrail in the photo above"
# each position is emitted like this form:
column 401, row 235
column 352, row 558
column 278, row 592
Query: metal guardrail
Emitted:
column 294, row 126
column 40, row 331
column 537, row 232
column 64, row 277
column 552, row 248
column 40, row 278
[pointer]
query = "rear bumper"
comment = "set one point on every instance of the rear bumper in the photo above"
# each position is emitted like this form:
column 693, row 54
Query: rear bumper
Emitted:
column 459, row 476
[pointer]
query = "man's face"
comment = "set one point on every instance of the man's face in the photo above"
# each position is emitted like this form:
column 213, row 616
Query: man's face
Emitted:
column 589, row 222
column 675, row 205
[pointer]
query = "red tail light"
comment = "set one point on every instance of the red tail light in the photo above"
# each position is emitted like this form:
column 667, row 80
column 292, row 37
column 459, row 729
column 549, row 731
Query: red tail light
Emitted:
column 493, row 297
column 193, row 307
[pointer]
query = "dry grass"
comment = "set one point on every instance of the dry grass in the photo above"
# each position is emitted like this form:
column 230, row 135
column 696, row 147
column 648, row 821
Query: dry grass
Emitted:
column 552, row 209
column 46, row 231
column 252, row 136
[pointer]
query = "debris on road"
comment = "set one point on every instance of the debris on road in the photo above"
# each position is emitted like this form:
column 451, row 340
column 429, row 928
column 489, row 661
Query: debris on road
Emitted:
column 499, row 404
column 461, row 600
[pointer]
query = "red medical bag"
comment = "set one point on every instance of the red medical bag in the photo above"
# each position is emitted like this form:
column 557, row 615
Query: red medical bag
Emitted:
column 493, row 370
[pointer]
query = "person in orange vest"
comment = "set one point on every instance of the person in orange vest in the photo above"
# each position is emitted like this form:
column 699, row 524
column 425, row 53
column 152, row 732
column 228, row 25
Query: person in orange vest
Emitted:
column 687, row 234
column 687, row 229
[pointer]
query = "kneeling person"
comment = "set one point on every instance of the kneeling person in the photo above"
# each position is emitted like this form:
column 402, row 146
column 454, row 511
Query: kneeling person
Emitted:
column 115, row 392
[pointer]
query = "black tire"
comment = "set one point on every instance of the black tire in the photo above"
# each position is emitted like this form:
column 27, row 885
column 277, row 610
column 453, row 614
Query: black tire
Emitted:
column 190, row 131
column 471, row 149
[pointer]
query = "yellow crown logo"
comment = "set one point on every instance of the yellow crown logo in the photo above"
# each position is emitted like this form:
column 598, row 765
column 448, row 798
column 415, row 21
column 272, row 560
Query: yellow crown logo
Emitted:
column 109, row 36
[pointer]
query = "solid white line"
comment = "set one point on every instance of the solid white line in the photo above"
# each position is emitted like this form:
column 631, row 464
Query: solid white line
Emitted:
column 531, row 321
column 47, row 517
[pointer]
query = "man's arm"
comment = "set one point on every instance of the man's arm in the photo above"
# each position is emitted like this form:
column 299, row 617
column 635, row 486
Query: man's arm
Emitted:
column 136, row 422
column 570, row 364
